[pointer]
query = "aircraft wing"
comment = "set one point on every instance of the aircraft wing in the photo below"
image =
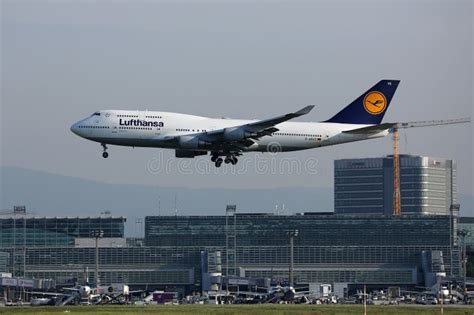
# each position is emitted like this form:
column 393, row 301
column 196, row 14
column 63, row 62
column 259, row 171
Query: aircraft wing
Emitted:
column 47, row 293
column 164, row 139
column 403, row 125
column 267, row 123
column 303, row 293
column 252, row 130
column 249, row 293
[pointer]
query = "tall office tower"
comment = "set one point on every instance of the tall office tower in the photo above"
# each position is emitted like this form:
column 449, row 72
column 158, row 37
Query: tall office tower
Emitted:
column 427, row 185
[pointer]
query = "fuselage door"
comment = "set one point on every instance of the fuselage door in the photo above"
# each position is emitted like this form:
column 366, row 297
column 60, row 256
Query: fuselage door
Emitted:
column 112, row 121
column 114, row 125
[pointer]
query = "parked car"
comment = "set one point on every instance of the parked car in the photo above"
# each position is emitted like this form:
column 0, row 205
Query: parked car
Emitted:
column 432, row 301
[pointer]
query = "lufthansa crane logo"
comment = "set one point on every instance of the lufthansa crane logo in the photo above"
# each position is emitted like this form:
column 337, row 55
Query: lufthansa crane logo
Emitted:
column 375, row 102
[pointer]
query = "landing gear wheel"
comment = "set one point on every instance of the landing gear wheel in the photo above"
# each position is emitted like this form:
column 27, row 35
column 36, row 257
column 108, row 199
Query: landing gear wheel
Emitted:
column 104, row 154
column 228, row 160
column 234, row 160
column 219, row 162
column 214, row 156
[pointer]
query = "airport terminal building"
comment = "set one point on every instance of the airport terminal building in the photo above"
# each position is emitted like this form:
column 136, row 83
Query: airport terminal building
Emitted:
column 329, row 248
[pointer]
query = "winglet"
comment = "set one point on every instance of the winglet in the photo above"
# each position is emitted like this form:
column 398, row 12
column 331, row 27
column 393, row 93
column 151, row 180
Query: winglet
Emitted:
column 304, row 111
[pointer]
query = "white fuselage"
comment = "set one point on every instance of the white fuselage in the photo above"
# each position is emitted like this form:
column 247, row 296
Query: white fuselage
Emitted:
column 149, row 128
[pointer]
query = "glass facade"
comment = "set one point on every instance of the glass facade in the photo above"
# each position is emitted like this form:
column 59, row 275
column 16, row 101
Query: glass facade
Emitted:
column 375, row 249
column 24, row 230
column 467, row 223
column 427, row 185
column 133, row 266
column 361, row 275
column 44, row 248
column 4, row 258
column 339, row 248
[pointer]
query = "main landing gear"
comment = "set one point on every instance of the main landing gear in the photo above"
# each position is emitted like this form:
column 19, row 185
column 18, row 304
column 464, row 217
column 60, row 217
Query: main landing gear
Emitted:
column 229, row 159
column 104, row 154
column 232, row 159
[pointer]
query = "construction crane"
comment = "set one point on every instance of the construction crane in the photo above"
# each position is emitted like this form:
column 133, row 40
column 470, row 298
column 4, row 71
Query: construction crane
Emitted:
column 394, row 127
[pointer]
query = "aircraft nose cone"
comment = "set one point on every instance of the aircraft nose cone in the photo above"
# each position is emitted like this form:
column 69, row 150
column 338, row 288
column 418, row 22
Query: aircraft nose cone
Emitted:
column 75, row 129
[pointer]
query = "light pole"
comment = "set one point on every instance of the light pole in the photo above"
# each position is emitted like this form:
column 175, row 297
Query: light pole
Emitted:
column 14, row 244
column 453, row 208
column 292, row 234
column 97, row 234
column 365, row 299
column 463, row 234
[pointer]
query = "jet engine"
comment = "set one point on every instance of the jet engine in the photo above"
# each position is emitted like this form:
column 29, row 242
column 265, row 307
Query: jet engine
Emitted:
column 84, row 291
column 191, row 142
column 237, row 134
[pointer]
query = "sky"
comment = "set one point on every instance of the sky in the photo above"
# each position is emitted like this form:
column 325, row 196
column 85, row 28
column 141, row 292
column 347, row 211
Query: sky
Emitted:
column 63, row 60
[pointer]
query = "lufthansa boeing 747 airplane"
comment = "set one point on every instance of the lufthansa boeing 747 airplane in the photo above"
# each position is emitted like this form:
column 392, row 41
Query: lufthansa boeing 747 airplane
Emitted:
column 191, row 136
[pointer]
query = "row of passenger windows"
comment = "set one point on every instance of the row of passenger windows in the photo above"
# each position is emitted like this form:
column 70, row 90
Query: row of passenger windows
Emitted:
column 193, row 130
column 136, row 116
column 296, row 134
column 140, row 128
column 95, row 127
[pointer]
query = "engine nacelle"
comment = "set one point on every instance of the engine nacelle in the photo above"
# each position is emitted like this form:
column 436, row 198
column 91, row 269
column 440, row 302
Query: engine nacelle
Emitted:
column 192, row 142
column 189, row 153
column 236, row 134
column 84, row 291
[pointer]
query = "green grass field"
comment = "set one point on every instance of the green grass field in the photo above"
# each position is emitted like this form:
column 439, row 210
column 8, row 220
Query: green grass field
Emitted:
column 239, row 309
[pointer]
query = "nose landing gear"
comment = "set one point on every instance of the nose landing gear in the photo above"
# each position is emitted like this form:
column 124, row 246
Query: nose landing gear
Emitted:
column 104, row 154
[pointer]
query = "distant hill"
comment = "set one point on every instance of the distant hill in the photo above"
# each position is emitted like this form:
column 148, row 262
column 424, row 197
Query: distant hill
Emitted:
column 48, row 194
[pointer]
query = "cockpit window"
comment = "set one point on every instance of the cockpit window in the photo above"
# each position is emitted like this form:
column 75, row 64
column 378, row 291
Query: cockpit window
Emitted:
column 96, row 114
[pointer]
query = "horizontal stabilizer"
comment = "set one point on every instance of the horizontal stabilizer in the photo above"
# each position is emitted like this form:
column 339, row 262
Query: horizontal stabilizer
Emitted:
column 372, row 129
